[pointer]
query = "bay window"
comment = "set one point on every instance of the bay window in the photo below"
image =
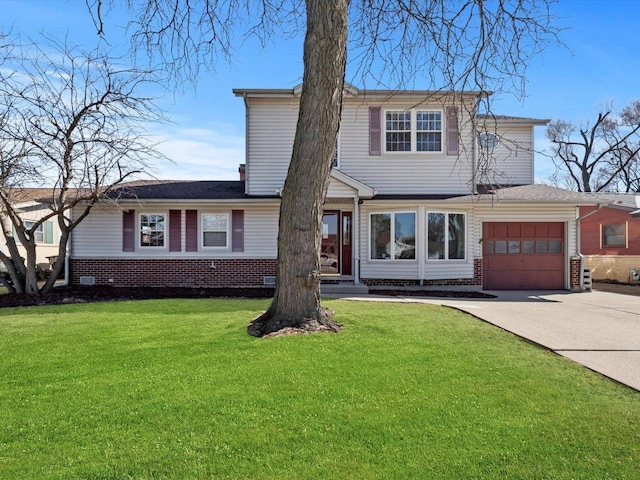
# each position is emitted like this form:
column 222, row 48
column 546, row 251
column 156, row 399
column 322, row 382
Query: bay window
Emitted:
column 393, row 236
column 446, row 234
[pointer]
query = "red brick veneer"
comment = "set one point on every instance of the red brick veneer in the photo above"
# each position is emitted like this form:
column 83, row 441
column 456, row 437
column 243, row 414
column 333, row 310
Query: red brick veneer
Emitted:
column 173, row 272
column 574, row 273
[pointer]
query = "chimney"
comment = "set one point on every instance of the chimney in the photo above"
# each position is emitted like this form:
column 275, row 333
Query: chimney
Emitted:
column 242, row 171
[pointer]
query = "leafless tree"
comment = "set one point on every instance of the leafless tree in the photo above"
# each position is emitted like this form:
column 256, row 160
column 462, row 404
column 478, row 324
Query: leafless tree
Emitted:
column 602, row 156
column 433, row 44
column 70, row 121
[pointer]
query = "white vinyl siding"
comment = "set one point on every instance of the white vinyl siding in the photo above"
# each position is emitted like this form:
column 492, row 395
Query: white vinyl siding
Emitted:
column 270, row 131
column 475, row 215
column 511, row 161
column 271, row 128
column 402, row 172
column 100, row 234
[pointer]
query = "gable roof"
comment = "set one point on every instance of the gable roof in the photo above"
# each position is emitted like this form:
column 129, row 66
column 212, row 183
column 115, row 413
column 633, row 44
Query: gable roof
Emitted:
column 363, row 190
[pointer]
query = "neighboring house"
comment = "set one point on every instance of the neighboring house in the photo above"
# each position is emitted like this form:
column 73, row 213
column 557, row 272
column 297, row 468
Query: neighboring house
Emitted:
column 31, row 203
column 409, row 203
column 610, row 237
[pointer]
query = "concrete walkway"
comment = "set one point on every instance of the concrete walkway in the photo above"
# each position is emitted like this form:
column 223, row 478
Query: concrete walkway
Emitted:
column 599, row 330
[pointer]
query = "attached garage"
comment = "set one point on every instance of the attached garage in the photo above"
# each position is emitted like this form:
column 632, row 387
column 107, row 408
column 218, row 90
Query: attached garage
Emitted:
column 523, row 255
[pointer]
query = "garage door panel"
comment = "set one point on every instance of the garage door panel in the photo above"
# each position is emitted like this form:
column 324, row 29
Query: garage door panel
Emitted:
column 523, row 255
column 542, row 262
column 528, row 230
column 513, row 230
column 556, row 231
column 500, row 230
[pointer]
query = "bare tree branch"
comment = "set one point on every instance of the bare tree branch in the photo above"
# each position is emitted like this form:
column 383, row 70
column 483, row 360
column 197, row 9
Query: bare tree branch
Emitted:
column 72, row 120
column 599, row 157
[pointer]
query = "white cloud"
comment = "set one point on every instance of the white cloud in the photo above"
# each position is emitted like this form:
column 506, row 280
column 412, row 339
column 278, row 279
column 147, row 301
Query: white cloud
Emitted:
column 200, row 154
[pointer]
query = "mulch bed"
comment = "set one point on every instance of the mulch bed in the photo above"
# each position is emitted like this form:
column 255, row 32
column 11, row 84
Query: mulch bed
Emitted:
column 86, row 294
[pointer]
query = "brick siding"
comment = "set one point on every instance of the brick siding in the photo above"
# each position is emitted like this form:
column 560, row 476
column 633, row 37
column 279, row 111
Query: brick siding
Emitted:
column 173, row 272
column 574, row 273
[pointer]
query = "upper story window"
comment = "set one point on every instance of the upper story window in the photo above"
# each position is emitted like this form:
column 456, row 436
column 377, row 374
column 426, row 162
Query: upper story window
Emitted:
column 428, row 131
column 413, row 130
column 488, row 141
column 393, row 236
column 215, row 230
column 614, row 235
column 152, row 229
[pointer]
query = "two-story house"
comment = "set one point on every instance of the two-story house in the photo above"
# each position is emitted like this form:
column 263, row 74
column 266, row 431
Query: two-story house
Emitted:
column 413, row 200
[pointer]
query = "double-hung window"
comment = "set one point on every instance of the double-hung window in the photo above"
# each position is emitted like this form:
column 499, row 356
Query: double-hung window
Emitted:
column 413, row 130
column 393, row 236
column 398, row 130
column 446, row 236
column 152, row 229
column 428, row 131
column 215, row 230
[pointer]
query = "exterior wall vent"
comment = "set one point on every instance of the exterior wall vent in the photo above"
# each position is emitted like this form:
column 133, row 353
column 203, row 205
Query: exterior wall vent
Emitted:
column 86, row 280
column 271, row 281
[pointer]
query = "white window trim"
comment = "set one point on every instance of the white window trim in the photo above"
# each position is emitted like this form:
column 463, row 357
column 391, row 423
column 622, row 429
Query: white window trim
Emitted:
column 414, row 132
column 165, row 242
column 626, row 235
column 392, row 234
column 201, row 231
column 446, row 243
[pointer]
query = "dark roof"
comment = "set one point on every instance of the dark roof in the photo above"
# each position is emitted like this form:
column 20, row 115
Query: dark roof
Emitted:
column 180, row 190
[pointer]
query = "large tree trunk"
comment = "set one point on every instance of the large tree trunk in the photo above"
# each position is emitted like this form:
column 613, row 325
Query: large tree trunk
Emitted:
column 296, row 301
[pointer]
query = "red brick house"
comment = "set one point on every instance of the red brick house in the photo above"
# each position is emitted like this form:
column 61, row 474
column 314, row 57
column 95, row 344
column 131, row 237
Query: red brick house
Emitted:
column 610, row 237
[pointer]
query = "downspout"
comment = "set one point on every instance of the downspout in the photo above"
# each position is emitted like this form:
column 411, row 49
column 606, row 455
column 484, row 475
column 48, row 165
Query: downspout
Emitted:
column 578, row 238
column 66, row 263
column 356, row 240
column 474, row 129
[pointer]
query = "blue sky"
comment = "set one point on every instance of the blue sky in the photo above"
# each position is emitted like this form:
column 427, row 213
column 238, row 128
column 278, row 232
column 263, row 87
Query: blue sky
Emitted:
column 599, row 64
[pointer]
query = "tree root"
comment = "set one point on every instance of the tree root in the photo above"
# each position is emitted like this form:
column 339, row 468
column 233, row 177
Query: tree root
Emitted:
column 268, row 326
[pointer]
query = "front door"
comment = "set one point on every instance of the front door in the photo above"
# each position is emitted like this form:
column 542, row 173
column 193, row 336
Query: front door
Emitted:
column 330, row 250
column 346, row 243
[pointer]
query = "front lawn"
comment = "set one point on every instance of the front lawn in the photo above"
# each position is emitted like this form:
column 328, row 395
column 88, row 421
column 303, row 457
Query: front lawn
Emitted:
column 176, row 389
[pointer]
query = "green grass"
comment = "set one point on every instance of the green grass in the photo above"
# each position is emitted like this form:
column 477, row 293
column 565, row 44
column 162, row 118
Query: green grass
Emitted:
column 175, row 389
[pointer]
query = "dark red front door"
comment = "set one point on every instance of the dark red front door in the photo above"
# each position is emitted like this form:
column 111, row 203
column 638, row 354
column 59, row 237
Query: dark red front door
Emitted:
column 346, row 243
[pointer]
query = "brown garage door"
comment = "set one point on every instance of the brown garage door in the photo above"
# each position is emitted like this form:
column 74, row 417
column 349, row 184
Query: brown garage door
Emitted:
column 523, row 255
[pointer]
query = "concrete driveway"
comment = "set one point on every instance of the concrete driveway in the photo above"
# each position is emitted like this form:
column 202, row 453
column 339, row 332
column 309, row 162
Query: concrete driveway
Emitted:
column 599, row 330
